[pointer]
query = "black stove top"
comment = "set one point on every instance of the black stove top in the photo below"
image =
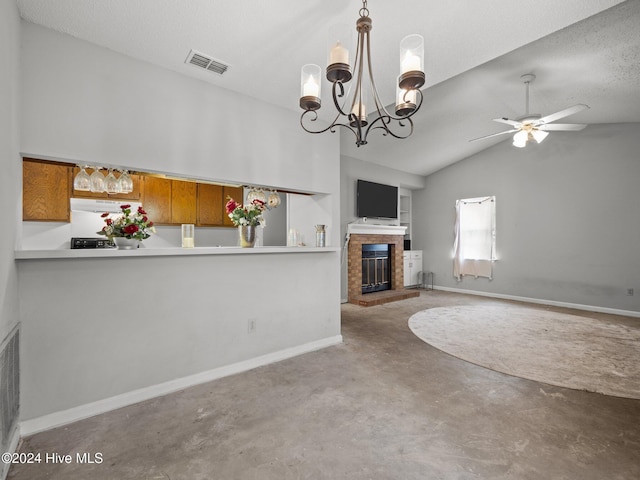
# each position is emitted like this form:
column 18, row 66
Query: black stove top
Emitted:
column 92, row 243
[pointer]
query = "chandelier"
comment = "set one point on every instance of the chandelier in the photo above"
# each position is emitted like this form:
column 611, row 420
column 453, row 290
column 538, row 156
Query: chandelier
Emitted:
column 354, row 117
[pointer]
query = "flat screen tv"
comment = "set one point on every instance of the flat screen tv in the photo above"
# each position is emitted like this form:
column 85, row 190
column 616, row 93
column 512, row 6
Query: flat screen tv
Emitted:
column 376, row 200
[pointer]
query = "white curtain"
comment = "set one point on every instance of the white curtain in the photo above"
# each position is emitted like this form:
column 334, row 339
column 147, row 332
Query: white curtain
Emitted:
column 475, row 237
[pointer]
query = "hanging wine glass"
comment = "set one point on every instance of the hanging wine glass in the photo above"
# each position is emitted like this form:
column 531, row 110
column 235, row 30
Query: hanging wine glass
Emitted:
column 83, row 180
column 97, row 180
column 256, row 194
column 111, row 183
column 274, row 199
column 125, row 182
column 251, row 196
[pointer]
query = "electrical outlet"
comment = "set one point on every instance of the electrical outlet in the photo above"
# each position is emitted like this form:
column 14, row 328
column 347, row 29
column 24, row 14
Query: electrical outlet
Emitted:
column 630, row 292
column 251, row 325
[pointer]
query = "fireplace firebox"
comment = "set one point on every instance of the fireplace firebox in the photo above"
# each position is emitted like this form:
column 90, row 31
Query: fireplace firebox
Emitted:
column 376, row 268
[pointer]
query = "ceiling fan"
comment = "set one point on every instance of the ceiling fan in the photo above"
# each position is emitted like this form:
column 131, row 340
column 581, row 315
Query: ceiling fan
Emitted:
column 533, row 126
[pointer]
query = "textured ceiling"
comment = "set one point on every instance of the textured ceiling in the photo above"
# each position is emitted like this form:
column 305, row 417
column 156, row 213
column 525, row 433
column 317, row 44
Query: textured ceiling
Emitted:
column 595, row 62
column 475, row 53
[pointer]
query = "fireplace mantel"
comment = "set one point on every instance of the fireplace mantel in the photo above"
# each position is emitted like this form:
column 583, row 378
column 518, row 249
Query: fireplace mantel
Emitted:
column 368, row 229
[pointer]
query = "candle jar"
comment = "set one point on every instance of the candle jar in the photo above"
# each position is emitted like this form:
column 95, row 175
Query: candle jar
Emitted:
column 188, row 235
column 310, row 87
column 293, row 238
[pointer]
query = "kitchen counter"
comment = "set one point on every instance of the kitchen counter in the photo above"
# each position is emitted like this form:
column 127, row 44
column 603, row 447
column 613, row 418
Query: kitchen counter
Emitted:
column 162, row 252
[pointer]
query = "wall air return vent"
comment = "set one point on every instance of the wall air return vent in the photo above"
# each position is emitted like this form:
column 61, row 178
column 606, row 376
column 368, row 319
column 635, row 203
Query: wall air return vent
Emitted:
column 9, row 386
column 205, row 61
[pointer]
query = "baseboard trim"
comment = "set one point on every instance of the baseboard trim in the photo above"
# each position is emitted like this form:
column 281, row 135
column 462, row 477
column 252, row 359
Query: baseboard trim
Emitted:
column 11, row 448
column 57, row 419
column 577, row 306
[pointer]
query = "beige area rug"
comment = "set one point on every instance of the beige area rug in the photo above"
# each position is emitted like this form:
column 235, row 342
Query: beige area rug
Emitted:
column 555, row 348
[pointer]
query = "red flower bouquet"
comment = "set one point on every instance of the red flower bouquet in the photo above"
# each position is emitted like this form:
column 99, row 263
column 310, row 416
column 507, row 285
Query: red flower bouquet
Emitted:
column 250, row 214
column 127, row 225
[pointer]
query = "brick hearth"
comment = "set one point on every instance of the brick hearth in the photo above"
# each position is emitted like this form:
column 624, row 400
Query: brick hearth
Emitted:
column 397, row 292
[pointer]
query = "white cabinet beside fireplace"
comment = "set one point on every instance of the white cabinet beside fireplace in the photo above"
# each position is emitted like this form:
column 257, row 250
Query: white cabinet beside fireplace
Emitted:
column 412, row 267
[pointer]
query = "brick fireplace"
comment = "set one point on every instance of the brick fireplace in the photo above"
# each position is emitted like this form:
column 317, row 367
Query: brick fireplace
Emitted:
column 362, row 234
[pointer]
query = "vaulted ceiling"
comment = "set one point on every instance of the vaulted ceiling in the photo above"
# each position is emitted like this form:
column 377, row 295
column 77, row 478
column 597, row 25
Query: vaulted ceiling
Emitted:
column 582, row 51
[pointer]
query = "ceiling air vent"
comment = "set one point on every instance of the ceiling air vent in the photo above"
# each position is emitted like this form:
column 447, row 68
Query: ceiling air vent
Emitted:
column 204, row 61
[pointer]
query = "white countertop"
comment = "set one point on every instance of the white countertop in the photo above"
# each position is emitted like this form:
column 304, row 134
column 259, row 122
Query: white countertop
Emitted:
column 157, row 252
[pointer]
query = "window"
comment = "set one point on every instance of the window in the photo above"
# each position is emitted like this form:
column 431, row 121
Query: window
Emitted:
column 475, row 237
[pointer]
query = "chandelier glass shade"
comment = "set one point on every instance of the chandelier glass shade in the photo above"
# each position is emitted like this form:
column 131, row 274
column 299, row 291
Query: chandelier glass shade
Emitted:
column 363, row 111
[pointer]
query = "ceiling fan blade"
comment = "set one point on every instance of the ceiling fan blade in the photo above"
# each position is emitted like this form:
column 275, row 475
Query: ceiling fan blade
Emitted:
column 573, row 127
column 494, row 135
column 562, row 113
column 513, row 123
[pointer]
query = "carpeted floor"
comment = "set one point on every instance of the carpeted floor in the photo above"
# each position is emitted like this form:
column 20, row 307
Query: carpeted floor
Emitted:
column 383, row 405
column 547, row 346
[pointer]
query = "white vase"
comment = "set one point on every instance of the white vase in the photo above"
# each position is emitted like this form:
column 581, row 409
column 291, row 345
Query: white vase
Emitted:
column 126, row 243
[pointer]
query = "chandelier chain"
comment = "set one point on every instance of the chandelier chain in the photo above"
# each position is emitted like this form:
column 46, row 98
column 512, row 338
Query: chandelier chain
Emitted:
column 364, row 11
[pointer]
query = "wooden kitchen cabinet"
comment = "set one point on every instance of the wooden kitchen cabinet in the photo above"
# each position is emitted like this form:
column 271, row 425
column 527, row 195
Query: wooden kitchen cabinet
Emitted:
column 156, row 199
column 210, row 206
column 212, row 201
column 169, row 202
column 183, row 202
column 46, row 188
column 135, row 195
column 237, row 193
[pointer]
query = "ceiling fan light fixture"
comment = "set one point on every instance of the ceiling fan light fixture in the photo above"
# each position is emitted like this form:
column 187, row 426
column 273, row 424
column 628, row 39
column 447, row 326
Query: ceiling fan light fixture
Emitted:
column 533, row 126
column 520, row 139
column 539, row 135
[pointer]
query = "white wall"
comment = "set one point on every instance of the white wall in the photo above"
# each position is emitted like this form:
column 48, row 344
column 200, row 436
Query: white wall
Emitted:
column 122, row 325
column 275, row 233
column 304, row 212
column 81, row 102
column 11, row 178
column 352, row 169
column 568, row 227
column 85, row 103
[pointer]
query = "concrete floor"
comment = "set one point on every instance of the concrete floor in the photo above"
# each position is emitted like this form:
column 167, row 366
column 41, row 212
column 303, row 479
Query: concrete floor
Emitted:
column 383, row 405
